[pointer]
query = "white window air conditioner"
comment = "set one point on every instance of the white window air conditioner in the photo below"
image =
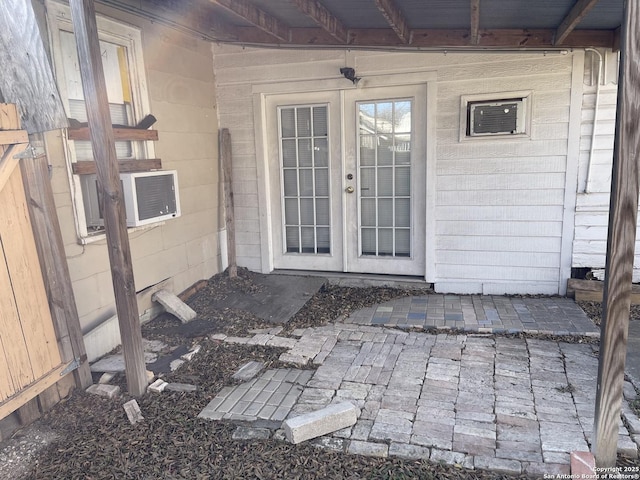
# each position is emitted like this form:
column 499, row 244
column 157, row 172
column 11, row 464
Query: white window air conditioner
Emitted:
column 149, row 197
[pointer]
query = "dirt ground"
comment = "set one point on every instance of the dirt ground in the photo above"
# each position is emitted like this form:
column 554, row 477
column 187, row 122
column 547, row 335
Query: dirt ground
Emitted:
column 91, row 438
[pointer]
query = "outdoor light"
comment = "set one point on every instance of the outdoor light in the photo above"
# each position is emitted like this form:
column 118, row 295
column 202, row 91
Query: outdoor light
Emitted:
column 350, row 74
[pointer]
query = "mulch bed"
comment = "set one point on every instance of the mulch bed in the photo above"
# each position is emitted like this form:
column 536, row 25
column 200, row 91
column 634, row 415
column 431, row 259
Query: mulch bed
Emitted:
column 97, row 441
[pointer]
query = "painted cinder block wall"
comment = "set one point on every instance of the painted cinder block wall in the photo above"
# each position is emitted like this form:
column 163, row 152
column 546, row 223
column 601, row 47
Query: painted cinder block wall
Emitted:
column 181, row 87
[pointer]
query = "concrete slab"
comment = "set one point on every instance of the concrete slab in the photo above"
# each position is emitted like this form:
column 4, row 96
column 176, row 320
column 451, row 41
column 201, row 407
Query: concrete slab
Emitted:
column 278, row 298
column 174, row 305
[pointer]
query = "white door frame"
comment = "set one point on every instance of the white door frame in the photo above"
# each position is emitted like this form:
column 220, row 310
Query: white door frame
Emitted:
column 266, row 184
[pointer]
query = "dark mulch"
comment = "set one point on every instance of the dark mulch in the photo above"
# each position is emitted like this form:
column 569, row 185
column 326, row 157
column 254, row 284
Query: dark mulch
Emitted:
column 97, row 441
column 594, row 311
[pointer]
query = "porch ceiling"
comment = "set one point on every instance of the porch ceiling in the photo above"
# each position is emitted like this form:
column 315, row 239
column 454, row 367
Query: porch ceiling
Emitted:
column 411, row 24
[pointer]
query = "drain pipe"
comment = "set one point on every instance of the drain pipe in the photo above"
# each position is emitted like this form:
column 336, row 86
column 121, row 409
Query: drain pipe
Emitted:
column 595, row 114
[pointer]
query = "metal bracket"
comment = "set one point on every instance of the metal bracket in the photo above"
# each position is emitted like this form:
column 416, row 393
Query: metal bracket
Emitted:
column 73, row 365
column 30, row 152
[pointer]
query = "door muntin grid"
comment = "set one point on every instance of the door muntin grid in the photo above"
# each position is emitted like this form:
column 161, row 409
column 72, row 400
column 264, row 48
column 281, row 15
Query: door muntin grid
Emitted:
column 384, row 166
column 304, row 160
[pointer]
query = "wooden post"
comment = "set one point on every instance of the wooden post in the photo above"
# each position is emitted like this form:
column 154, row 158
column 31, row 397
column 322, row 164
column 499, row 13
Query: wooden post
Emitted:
column 102, row 140
column 53, row 262
column 225, row 155
column 623, row 214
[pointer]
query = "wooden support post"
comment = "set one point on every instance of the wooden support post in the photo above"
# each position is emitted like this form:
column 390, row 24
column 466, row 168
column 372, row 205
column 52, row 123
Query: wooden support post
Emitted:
column 53, row 262
column 102, row 140
column 623, row 214
column 225, row 155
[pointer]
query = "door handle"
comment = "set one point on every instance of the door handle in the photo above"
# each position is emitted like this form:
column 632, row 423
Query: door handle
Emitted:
column 349, row 189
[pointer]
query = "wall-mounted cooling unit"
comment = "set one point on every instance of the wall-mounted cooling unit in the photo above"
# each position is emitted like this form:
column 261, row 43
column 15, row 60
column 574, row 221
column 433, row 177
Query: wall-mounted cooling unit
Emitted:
column 149, row 197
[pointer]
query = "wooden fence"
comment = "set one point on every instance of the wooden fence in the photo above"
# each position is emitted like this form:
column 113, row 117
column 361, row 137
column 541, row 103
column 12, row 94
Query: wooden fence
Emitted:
column 34, row 365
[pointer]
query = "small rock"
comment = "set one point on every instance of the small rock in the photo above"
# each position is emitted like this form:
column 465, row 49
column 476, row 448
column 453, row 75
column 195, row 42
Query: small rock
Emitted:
column 103, row 390
column 188, row 356
column 150, row 376
column 180, row 387
column 158, row 386
column 153, row 345
column 133, row 412
column 176, row 364
column 218, row 336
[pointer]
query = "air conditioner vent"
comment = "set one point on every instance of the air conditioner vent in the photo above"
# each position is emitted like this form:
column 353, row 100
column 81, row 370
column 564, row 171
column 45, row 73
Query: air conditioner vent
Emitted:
column 155, row 196
column 505, row 117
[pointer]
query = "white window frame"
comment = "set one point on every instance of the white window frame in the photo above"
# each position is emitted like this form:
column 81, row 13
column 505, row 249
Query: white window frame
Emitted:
column 109, row 30
column 525, row 96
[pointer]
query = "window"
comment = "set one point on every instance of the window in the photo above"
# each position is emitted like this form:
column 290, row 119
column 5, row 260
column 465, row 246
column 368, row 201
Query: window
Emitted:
column 121, row 48
column 495, row 115
column 384, row 160
column 304, row 153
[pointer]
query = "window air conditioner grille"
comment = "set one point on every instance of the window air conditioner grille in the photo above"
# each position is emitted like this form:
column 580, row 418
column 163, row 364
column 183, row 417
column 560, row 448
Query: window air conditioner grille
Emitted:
column 494, row 118
column 155, row 195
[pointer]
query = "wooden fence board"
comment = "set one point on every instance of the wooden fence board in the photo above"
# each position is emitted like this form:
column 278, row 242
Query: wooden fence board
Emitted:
column 26, row 278
column 13, row 342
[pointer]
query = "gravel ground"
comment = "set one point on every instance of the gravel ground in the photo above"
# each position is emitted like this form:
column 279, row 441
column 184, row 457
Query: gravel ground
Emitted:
column 94, row 440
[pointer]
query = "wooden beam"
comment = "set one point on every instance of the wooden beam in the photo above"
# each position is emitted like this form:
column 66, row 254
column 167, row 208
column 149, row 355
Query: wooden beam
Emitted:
column 261, row 19
column 227, row 167
column 130, row 134
column 53, row 263
column 573, row 19
column 83, row 16
column 396, row 19
column 87, row 167
column 441, row 38
column 324, row 18
column 474, row 22
column 623, row 217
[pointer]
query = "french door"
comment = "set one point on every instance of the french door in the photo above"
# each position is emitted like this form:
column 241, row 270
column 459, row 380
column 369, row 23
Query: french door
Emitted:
column 350, row 171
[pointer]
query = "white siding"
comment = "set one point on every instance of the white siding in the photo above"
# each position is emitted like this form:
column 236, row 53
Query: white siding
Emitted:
column 594, row 180
column 499, row 203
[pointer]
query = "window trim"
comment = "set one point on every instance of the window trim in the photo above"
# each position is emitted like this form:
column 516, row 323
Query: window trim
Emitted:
column 119, row 33
column 524, row 95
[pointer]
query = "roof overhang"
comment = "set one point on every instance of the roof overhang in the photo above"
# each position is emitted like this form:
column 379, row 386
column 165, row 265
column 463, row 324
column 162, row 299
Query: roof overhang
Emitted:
column 393, row 24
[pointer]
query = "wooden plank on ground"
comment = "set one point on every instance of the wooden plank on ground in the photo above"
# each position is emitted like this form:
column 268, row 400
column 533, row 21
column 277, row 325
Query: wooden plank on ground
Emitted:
column 623, row 218
column 26, row 279
column 592, row 291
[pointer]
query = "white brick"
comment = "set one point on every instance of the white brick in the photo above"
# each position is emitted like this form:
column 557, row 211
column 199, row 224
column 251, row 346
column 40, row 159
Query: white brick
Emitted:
column 158, row 386
column 104, row 390
column 315, row 424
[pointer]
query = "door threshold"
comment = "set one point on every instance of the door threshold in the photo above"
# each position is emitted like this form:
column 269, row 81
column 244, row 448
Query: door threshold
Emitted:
column 361, row 279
